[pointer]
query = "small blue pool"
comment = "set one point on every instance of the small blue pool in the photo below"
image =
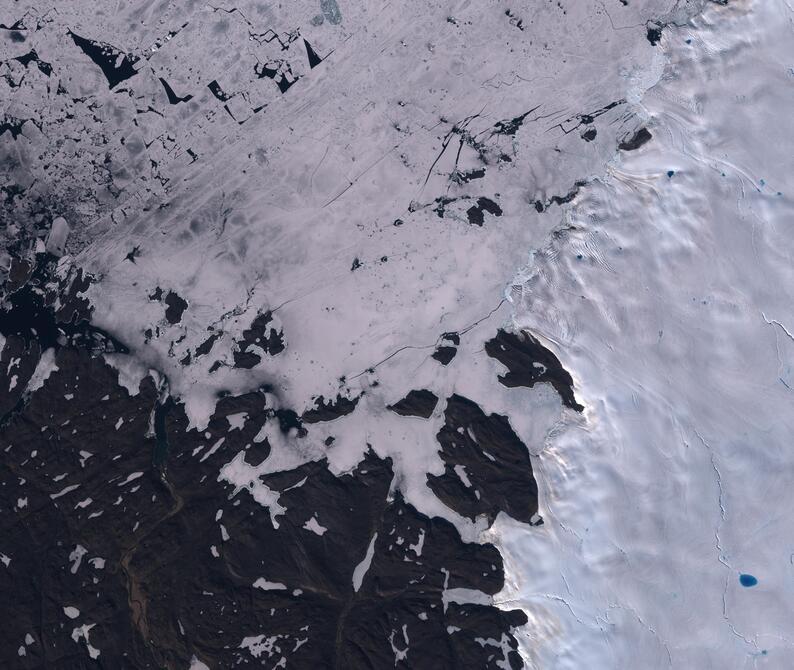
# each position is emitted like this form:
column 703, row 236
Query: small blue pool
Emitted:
column 747, row 580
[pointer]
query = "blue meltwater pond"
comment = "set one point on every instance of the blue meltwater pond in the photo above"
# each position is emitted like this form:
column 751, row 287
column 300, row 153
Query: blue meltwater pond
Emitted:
column 747, row 580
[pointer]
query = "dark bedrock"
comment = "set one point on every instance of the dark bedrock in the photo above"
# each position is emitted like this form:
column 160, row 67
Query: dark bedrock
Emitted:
column 162, row 596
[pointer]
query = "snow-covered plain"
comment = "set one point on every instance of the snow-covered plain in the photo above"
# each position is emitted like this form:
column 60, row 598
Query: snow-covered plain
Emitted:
column 669, row 296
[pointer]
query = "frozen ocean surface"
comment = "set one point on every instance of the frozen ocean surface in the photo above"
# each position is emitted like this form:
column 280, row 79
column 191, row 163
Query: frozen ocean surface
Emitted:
column 668, row 295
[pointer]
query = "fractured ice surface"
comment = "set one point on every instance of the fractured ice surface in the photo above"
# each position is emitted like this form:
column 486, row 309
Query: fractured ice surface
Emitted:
column 269, row 215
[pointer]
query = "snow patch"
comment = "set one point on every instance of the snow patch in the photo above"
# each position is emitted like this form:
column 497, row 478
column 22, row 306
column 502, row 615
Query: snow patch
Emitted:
column 362, row 568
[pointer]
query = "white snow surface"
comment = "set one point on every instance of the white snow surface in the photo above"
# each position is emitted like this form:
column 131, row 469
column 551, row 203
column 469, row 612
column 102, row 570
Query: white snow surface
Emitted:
column 59, row 233
column 83, row 632
column 265, row 585
column 44, row 368
column 196, row 664
column 678, row 478
column 362, row 568
column 314, row 526
column 71, row 612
